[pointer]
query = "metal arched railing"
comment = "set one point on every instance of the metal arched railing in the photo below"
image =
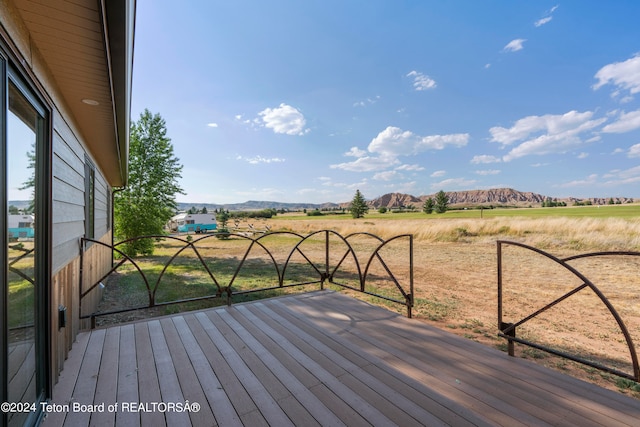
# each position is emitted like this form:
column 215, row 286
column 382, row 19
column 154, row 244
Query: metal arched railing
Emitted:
column 508, row 329
column 321, row 272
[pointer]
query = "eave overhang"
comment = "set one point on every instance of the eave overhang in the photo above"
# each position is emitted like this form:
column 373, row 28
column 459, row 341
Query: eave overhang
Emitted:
column 87, row 46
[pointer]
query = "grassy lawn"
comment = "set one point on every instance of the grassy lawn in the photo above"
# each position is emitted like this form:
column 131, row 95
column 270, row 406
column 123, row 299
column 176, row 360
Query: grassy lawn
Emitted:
column 604, row 211
column 21, row 293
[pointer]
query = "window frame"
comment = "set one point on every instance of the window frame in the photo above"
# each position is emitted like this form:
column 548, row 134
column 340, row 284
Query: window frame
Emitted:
column 89, row 198
column 23, row 81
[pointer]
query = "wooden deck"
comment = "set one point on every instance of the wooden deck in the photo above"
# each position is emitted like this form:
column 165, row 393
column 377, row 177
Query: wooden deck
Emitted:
column 315, row 359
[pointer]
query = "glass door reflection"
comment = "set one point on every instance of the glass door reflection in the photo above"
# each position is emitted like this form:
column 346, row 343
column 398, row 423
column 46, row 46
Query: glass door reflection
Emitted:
column 24, row 124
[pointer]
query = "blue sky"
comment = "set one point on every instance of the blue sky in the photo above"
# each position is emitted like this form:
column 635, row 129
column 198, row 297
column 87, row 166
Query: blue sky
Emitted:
column 307, row 101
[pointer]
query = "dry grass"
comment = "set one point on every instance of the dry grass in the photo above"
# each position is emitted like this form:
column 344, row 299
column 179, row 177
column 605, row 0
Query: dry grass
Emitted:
column 455, row 275
column 554, row 232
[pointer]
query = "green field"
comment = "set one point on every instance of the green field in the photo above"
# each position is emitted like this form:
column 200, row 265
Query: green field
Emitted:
column 604, row 211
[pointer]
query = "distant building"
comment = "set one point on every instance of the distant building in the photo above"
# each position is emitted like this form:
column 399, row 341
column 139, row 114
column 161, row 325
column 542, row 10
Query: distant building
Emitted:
column 20, row 226
column 193, row 223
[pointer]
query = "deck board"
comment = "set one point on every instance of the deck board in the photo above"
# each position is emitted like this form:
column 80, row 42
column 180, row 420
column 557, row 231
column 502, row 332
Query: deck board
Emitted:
column 321, row 358
column 487, row 372
column 148, row 382
column 438, row 404
column 400, row 410
column 106, row 387
column 242, row 404
column 258, row 392
column 186, row 374
column 127, row 386
column 452, row 375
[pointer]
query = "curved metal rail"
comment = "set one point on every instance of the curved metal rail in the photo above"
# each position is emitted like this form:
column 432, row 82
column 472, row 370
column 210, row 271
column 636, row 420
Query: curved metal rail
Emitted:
column 508, row 329
column 324, row 272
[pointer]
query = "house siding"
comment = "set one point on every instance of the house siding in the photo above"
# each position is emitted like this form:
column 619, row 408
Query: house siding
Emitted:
column 68, row 219
column 68, row 227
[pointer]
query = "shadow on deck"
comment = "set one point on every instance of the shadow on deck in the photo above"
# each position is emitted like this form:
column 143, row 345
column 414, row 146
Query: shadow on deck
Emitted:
column 320, row 358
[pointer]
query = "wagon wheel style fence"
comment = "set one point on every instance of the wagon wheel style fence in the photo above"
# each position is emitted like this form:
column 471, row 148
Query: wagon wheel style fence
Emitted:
column 558, row 299
column 231, row 265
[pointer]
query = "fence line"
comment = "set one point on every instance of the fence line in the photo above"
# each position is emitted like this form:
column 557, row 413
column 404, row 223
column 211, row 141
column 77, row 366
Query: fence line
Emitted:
column 324, row 273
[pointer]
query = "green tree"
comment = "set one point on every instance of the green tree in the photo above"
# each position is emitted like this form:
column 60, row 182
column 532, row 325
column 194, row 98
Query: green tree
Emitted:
column 223, row 219
column 358, row 205
column 30, row 183
column 148, row 201
column 442, row 202
column 428, row 206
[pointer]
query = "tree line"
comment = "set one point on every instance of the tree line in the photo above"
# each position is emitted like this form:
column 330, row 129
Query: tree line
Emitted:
column 440, row 204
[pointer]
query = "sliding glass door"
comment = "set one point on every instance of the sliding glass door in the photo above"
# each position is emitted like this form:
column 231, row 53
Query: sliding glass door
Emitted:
column 24, row 277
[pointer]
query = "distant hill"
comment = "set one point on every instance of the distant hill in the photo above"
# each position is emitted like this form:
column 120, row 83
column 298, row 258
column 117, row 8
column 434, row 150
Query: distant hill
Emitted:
column 253, row 205
column 493, row 197
column 20, row 204
column 507, row 197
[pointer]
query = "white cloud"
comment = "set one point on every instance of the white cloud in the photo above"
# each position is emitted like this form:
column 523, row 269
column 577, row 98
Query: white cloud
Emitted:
column 594, row 138
column 542, row 21
column 488, row 172
column 552, row 124
column 366, row 164
column 547, row 18
column 392, row 143
column 259, row 159
column 590, row 181
column 545, row 134
column 627, row 176
column 583, row 155
column 421, row 81
column 634, row 151
column 619, row 177
column 453, row 183
column 355, row 152
column 626, row 122
column 284, row 119
column 623, row 75
column 438, row 174
column 485, row 159
column 410, row 168
column 366, row 102
column 385, row 176
column 212, row 125
column 514, row 45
